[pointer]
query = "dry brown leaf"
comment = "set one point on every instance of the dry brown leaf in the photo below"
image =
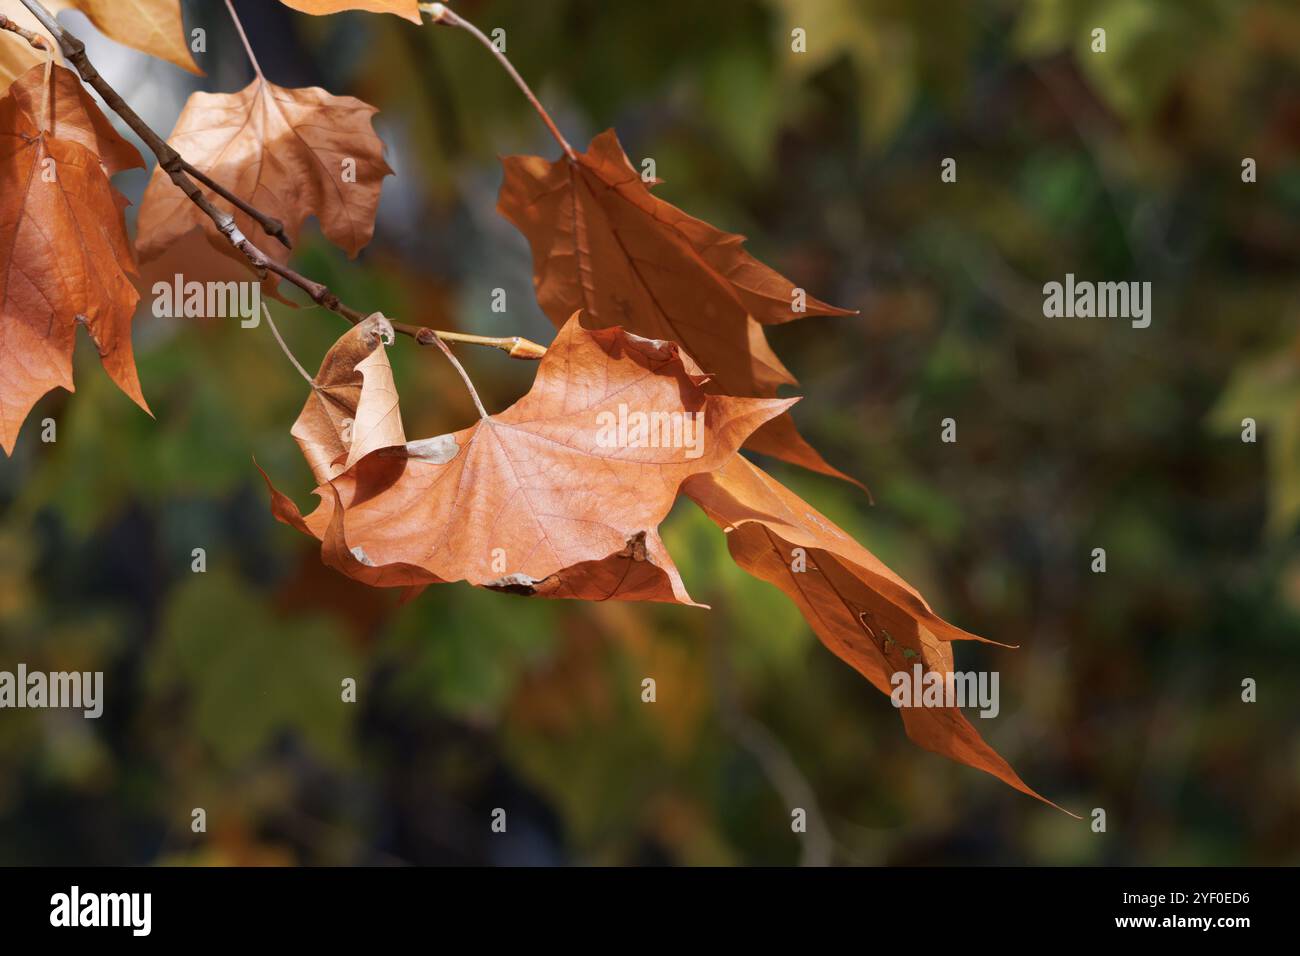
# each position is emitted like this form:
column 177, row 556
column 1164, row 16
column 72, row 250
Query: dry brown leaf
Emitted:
column 862, row 611
column 528, row 500
column 344, row 421
column 55, row 99
column 604, row 244
column 17, row 56
column 67, row 261
column 285, row 152
column 407, row 9
column 155, row 27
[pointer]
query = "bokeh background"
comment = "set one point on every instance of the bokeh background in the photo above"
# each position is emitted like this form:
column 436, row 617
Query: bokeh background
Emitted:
column 223, row 688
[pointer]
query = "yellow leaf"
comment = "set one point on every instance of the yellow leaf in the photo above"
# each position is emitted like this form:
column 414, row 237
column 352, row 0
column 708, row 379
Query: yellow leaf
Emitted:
column 150, row 26
column 407, row 9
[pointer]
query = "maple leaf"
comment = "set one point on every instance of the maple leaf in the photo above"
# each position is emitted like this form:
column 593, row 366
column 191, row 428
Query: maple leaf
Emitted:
column 604, row 244
column 17, row 56
column 290, row 153
column 862, row 611
column 540, row 499
column 150, row 26
column 407, row 9
column 66, row 261
column 59, row 104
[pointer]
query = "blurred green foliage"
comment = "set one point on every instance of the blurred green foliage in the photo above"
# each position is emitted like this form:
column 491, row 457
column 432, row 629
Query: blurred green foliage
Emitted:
column 223, row 689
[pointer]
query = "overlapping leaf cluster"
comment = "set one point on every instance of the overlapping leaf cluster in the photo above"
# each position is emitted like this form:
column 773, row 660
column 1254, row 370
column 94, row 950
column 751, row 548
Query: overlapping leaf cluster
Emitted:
column 656, row 310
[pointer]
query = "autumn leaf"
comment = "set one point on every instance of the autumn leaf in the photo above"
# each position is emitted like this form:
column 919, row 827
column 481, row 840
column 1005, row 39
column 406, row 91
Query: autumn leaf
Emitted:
column 59, row 104
column 604, row 244
column 344, row 421
column 541, row 499
column 17, row 56
column 67, row 262
column 407, row 9
column 150, row 26
column 290, row 153
column 862, row 611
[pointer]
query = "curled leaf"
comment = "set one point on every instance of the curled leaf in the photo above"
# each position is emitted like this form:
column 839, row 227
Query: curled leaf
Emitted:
column 353, row 408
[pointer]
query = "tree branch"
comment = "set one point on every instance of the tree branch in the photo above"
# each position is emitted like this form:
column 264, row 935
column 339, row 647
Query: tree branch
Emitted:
column 182, row 174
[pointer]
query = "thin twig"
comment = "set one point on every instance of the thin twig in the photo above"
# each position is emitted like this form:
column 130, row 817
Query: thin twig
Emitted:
column 248, row 47
column 182, row 174
column 516, row 346
column 285, row 348
column 439, row 13
column 270, row 225
column 34, row 39
column 473, row 392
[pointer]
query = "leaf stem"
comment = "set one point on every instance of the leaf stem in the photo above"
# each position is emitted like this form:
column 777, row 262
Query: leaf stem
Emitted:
column 182, row 174
column 473, row 392
column 441, row 14
column 285, row 348
column 248, row 47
